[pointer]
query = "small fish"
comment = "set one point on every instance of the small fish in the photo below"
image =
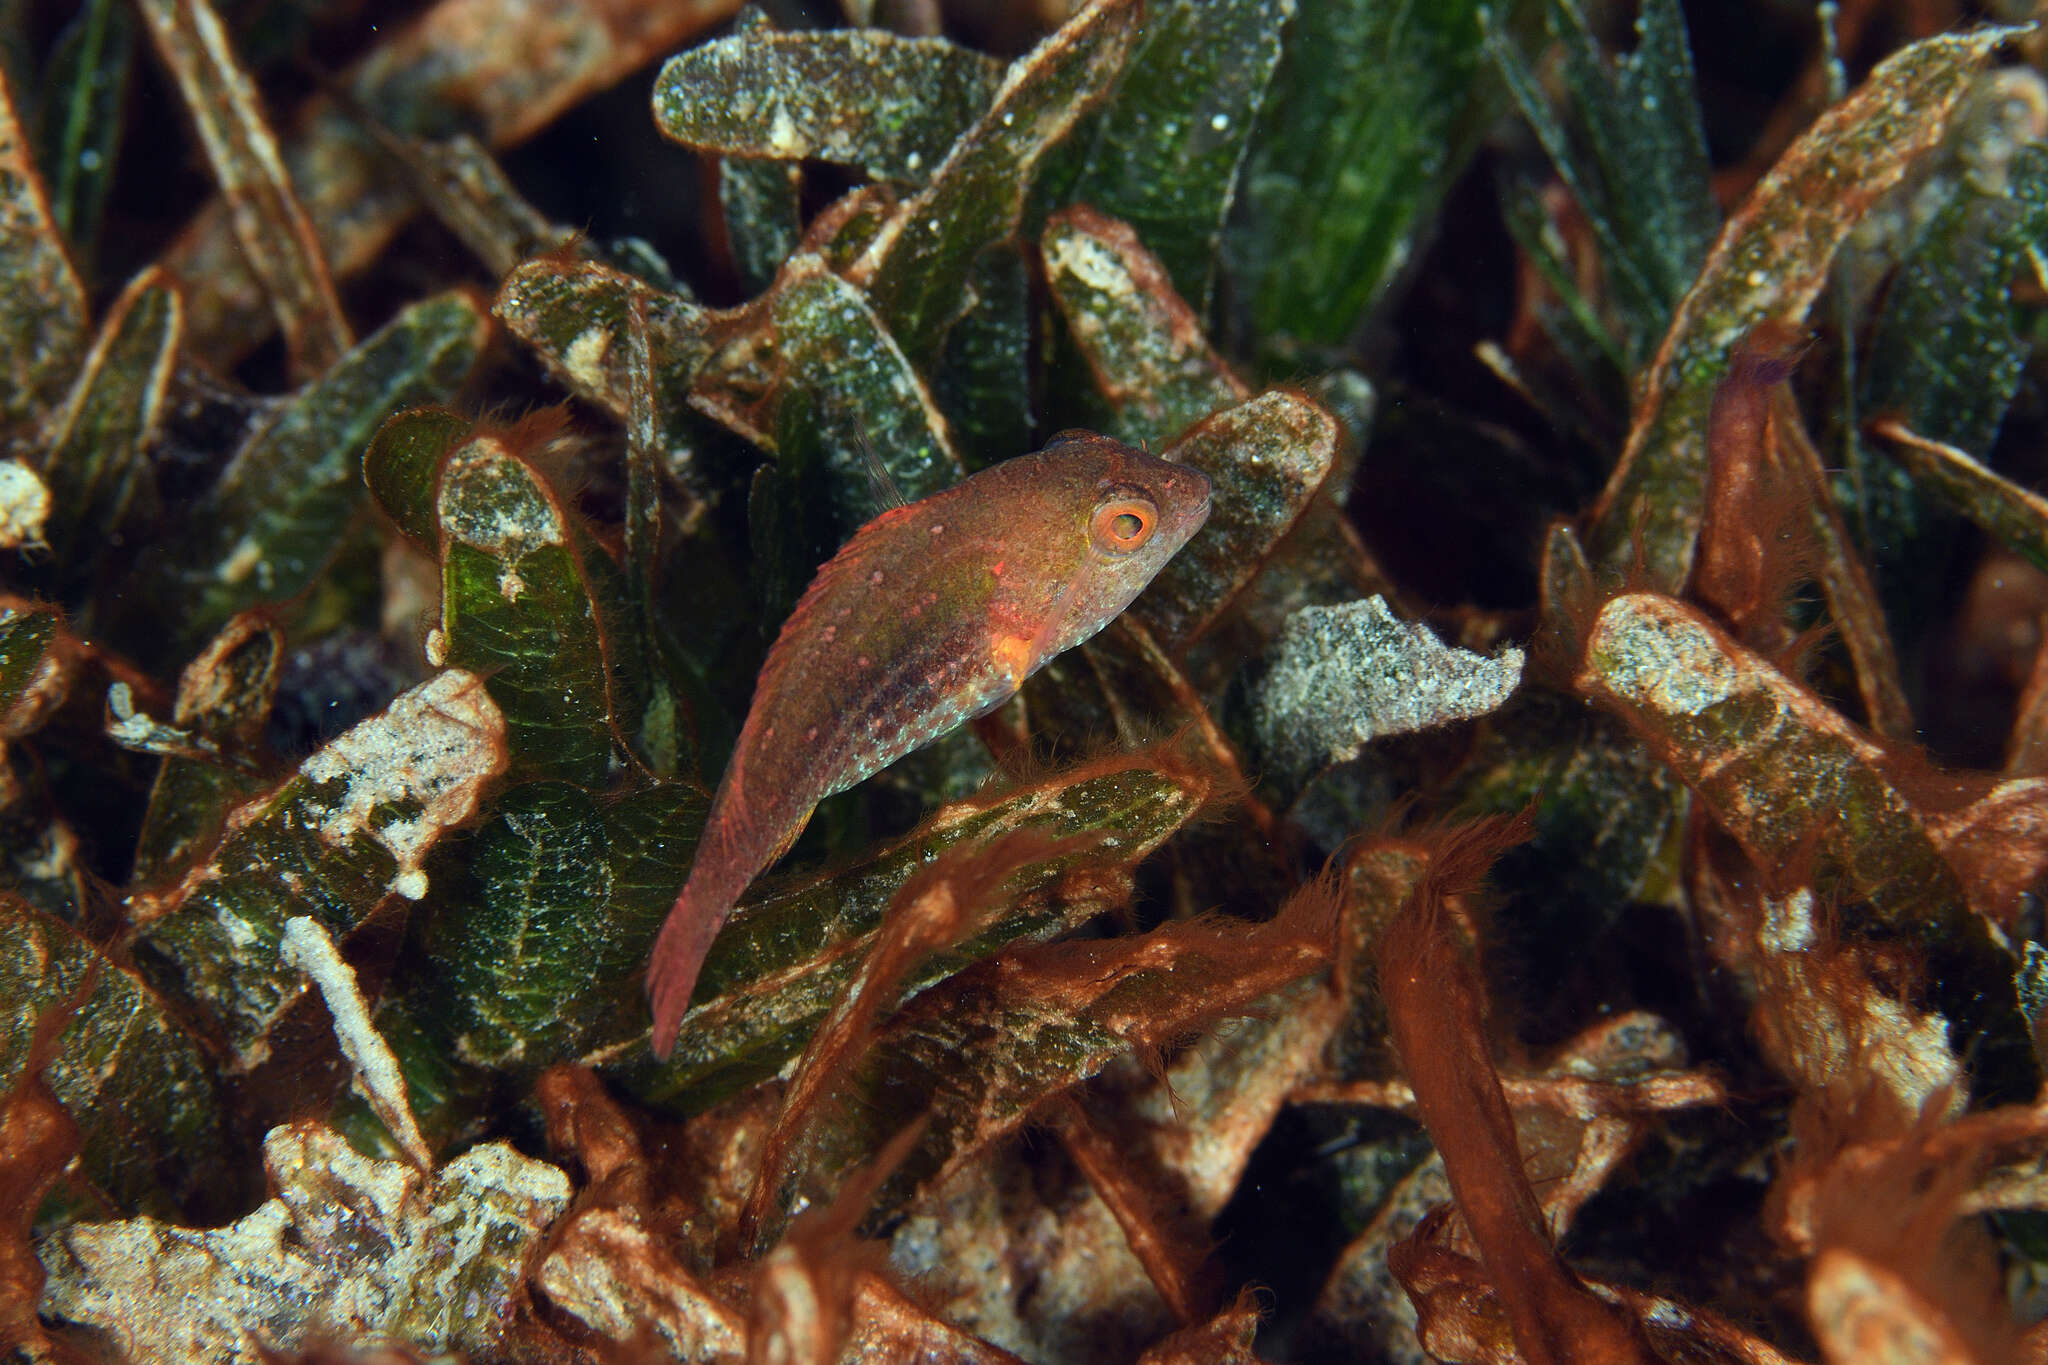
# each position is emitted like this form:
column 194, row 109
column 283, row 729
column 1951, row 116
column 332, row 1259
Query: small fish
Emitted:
column 931, row 615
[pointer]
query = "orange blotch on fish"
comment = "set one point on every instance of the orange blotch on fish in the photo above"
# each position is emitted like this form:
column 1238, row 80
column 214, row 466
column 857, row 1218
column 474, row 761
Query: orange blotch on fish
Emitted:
column 1012, row 654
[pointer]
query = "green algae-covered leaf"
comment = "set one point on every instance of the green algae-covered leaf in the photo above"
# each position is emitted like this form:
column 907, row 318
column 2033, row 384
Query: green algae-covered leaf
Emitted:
column 1165, row 154
column 1789, row 779
column 95, row 462
column 565, row 895
column 402, row 468
column 1265, row 460
column 138, row 1085
column 1142, row 342
column 516, row 608
column 786, row 955
column 28, row 631
column 42, row 304
column 1369, row 121
column 276, row 236
column 80, row 124
column 2018, row 516
column 1638, row 165
column 983, row 380
column 1604, row 809
column 917, row 270
column 847, row 402
column 850, row 395
column 575, row 315
column 1770, row 261
column 350, row 827
column 1946, row 356
column 861, row 97
column 761, row 203
column 224, row 698
column 283, row 504
column 351, row 1253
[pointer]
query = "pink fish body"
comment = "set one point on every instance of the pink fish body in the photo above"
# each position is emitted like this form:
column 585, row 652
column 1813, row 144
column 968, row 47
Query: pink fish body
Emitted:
column 931, row 615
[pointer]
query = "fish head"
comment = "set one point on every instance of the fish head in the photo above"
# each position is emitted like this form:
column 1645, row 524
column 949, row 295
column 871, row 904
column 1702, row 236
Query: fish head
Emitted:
column 1116, row 515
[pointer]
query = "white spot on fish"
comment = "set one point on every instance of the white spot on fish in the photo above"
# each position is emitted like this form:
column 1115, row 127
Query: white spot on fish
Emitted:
column 875, row 578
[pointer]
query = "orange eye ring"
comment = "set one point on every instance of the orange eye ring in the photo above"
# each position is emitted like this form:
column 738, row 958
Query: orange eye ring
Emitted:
column 1121, row 525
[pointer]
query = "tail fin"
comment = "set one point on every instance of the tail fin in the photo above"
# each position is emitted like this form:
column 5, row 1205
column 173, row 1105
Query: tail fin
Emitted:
column 677, row 958
column 728, row 857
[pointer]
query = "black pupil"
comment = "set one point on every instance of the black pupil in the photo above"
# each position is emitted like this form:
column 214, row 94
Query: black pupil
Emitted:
column 1126, row 525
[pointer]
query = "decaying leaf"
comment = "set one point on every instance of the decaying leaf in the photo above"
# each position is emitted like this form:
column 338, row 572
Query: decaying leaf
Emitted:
column 575, row 314
column 2016, row 515
column 350, row 1250
column 608, row 1273
column 224, row 699
column 276, row 237
column 1794, row 783
column 1045, row 1019
column 351, row 827
column 500, row 74
column 1344, row 676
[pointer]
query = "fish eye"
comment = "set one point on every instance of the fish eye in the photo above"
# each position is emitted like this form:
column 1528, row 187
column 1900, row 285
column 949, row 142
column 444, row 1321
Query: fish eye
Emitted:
column 1122, row 524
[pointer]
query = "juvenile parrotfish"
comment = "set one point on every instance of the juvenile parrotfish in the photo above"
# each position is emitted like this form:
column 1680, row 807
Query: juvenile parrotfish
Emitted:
column 931, row 615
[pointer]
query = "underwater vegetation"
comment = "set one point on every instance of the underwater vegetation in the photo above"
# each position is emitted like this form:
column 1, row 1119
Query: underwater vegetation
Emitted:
column 1550, row 870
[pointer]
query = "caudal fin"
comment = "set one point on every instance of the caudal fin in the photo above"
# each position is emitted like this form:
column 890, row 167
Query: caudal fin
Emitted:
column 677, row 958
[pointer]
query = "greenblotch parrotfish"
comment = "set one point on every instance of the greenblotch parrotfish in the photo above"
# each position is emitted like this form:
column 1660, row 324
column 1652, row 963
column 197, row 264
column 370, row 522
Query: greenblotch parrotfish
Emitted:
column 932, row 614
